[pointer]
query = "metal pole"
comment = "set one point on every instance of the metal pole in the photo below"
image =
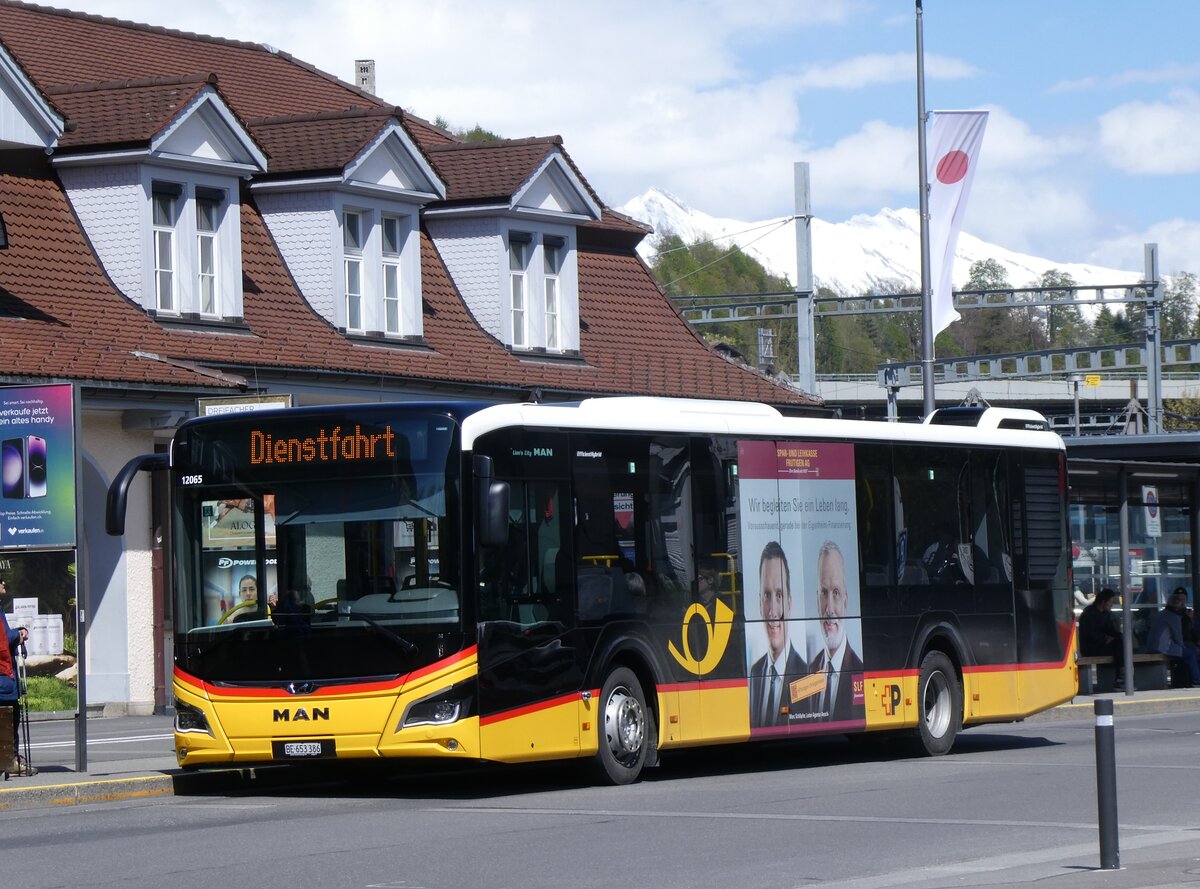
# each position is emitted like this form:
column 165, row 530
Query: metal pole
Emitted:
column 82, row 572
column 1075, row 386
column 926, row 288
column 806, row 340
column 1153, row 343
column 1127, row 605
column 1106, row 785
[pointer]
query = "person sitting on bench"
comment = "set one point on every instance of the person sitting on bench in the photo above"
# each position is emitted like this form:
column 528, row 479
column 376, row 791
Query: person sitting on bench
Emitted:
column 1166, row 636
column 1099, row 638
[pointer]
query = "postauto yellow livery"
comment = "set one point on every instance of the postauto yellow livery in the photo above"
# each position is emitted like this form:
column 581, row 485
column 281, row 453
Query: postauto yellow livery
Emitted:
column 606, row 580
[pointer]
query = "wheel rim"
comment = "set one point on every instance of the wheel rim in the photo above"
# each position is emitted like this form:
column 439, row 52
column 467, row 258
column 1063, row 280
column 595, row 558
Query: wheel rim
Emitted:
column 624, row 726
column 937, row 705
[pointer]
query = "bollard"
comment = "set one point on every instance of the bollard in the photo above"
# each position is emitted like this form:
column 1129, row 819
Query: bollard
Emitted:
column 1106, row 785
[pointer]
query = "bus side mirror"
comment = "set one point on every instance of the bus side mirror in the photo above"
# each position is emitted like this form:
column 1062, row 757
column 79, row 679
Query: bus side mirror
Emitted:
column 118, row 491
column 491, row 518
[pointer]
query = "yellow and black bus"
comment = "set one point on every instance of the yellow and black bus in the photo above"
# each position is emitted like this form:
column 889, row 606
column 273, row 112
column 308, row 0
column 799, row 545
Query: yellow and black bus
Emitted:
column 606, row 580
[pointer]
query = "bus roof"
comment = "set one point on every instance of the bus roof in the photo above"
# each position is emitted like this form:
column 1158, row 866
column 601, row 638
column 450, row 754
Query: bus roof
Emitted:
column 997, row 426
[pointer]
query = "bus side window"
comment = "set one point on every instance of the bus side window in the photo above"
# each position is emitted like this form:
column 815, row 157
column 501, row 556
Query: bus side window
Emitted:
column 876, row 527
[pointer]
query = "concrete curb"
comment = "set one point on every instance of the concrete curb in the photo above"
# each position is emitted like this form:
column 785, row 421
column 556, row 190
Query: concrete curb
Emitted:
column 1084, row 708
column 78, row 793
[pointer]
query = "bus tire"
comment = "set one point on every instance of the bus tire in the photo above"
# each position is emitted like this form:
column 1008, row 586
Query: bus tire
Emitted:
column 626, row 727
column 940, row 705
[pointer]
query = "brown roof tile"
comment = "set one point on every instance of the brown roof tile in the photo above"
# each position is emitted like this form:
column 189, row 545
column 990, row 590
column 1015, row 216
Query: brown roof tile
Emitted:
column 489, row 171
column 118, row 114
column 58, row 48
column 315, row 142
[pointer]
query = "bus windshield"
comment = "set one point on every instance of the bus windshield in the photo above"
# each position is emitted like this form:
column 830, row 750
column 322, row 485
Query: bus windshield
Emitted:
column 304, row 571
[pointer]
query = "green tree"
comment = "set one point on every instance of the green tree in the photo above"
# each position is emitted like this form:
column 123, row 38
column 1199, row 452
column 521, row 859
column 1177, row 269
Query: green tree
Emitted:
column 1178, row 318
column 474, row 134
column 1066, row 326
column 989, row 331
column 704, row 268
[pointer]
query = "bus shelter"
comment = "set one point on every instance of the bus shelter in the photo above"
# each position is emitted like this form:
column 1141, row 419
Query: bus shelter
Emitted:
column 1133, row 521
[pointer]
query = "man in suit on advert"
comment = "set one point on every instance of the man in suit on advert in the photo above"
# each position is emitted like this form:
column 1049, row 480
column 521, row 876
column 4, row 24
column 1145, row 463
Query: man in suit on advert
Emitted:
column 771, row 673
column 837, row 660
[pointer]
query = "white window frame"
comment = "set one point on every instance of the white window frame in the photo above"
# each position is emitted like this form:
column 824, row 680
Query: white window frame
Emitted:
column 553, row 248
column 391, row 282
column 520, row 248
column 208, row 239
column 163, row 236
column 353, row 249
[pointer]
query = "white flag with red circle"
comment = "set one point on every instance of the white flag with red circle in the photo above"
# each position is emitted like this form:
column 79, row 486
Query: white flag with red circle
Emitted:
column 953, row 155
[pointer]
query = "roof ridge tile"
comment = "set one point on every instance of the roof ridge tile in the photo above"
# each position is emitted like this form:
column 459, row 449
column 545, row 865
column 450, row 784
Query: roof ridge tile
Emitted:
column 103, row 85
column 499, row 143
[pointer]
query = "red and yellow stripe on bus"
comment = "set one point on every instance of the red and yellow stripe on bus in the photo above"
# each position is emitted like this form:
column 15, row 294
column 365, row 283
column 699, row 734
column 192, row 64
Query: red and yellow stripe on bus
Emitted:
column 364, row 718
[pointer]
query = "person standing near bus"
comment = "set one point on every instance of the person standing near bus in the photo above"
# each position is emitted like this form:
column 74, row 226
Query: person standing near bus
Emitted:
column 771, row 673
column 10, row 691
column 837, row 660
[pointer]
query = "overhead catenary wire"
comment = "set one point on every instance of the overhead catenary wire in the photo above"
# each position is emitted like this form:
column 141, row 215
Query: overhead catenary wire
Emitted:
column 771, row 226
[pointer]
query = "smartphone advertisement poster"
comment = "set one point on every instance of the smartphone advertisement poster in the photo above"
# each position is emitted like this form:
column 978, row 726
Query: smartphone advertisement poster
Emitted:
column 37, row 460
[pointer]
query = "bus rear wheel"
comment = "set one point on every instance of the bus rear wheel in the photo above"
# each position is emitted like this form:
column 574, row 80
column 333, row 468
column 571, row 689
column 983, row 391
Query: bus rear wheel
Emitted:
column 940, row 698
column 626, row 728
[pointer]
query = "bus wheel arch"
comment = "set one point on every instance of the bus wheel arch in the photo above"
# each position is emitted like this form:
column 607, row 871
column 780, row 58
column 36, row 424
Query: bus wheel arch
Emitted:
column 939, row 702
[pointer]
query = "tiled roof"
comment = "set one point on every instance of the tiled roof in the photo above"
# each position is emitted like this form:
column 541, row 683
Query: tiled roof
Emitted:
column 60, row 48
column 314, row 142
column 61, row 317
column 489, row 171
column 108, row 114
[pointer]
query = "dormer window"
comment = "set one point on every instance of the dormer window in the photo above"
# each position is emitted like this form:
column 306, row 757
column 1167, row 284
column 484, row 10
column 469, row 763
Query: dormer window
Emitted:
column 552, row 250
column 352, row 248
column 518, row 266
column 164, row 208
column 188, row 228
column 391, row 249
column 208, row 216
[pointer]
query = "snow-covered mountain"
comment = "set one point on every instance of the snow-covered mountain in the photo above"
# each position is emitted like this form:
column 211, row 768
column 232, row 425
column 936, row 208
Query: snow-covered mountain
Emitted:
column 864, row 253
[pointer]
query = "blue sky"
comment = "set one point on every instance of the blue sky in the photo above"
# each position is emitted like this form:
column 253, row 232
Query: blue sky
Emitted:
column 1092, row 148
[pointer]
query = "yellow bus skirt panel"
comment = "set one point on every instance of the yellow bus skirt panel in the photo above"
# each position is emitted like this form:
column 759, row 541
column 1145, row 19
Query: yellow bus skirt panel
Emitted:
column 707, row 712
column 890, row 699
column 545, row 730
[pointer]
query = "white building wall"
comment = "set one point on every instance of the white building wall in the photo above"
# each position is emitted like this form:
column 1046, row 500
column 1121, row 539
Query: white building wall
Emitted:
column 120, row 635
column 109, row 201
column 305, row 229
column 472, row 252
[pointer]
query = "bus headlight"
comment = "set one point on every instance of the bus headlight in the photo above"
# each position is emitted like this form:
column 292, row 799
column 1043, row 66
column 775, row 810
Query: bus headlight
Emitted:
column 190, row 719
column 432, row 711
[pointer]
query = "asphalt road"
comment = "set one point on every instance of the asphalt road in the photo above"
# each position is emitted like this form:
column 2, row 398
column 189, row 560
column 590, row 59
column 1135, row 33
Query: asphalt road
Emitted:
column 1012, row 805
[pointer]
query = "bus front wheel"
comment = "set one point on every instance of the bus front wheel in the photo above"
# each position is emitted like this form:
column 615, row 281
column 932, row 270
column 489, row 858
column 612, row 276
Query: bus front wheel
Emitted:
column 626, row 728
column 941, row 704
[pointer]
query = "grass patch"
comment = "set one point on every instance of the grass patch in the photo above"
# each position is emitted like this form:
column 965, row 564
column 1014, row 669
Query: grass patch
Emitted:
column 45, row 693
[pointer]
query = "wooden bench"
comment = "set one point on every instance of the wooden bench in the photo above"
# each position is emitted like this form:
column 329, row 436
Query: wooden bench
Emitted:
column 1099, row 673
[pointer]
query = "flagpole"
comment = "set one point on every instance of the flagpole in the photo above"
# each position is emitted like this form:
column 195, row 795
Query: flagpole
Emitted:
column 926, row 288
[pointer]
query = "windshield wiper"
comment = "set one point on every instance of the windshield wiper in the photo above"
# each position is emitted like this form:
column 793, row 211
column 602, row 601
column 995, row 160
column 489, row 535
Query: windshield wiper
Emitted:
column 405, row 646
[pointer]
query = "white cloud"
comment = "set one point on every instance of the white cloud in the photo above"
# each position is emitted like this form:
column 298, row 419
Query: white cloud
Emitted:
column 869, row 70
column 865, row 170
column 1153, row 138
column 1178, row 243
column 1032, row 213
column 1172, row 73
column 1011, row 144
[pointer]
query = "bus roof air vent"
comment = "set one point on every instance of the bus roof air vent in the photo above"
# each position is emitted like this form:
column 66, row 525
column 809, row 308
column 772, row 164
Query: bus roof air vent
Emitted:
column 989, row 418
